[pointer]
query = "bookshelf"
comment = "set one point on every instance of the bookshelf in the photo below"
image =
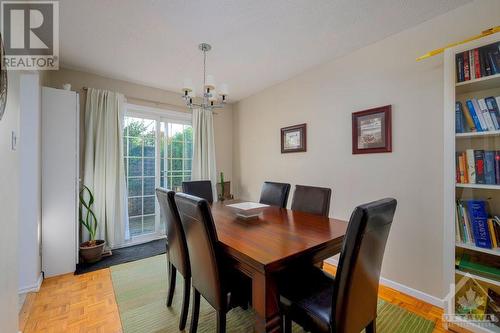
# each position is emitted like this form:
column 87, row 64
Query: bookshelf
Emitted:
column 494, row 252
column 477, row 134
column 478, row 277
column 479, row 186
column 455, row 248
column 484, row 83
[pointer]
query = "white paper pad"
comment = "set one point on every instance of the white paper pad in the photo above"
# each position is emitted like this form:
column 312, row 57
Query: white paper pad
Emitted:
column 247, row 205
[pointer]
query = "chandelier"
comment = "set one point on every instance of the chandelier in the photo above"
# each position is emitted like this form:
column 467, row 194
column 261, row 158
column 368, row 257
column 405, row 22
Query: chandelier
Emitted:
column 211, row 98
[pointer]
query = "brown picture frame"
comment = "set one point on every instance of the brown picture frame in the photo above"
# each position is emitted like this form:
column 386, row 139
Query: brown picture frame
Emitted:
column 385, row 130
column 302, row 146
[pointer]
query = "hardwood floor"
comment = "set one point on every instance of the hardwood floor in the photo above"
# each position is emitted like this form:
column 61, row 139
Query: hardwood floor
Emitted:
column 86, row 303
column 74, row 303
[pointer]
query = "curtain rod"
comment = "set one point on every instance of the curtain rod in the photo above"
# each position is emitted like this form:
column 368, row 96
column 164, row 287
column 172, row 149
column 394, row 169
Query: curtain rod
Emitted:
column 154, row 102
column 147, row 101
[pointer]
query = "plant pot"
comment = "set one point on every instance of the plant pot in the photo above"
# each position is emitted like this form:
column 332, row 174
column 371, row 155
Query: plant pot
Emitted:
column 92, row 252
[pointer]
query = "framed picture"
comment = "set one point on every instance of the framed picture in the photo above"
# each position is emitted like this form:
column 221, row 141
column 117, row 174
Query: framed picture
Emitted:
column 293, row 139
column 372, row 131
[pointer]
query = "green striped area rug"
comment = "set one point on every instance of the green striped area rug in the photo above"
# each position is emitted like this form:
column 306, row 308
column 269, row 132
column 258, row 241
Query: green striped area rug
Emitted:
column 141, row 288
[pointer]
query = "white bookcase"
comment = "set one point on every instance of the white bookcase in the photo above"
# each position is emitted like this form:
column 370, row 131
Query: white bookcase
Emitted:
column 453, row 91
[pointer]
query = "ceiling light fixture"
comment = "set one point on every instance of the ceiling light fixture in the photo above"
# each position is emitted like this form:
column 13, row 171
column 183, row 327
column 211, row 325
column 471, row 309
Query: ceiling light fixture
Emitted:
column 212, row 98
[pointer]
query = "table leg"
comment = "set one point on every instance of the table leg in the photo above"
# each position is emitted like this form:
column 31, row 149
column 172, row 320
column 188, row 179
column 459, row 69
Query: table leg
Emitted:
column 265, row 301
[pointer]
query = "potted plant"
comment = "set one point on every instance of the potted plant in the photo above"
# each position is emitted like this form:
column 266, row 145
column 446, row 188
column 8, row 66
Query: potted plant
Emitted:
column 222, row 188
column 91, row 250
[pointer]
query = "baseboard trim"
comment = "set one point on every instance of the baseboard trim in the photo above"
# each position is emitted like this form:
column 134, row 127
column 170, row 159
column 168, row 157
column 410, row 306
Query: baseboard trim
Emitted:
column 404, row 289
column 32, row 288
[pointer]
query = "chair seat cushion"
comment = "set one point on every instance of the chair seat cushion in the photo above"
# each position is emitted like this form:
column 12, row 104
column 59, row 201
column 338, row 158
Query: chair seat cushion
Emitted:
column 306, row 297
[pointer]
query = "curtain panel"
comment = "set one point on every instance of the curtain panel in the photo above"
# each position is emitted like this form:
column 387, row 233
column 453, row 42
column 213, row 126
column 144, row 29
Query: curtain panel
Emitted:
column 203, row 166
column 104, row 171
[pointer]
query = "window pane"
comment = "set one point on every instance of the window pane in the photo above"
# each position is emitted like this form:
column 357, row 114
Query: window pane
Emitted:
column 187, row 164
column 188, row 133
column 149, row 224
column 135, row 167
column 149, row 205
column 189, row 150
column 176, row 131
column 177, row 181
column 149, row 166
column 177, row 165
column 135, row 206
column 177, row 149
column 135, row 147
column 149, row 151
column 149, row 186
column 135, row 226
column 134, row 187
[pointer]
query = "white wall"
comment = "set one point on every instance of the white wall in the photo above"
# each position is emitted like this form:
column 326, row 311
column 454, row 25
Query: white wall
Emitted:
column 324, row 97
column 9, row 184
column 29, row 151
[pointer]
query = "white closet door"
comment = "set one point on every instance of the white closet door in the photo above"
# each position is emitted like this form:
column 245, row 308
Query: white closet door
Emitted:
column 59, row 181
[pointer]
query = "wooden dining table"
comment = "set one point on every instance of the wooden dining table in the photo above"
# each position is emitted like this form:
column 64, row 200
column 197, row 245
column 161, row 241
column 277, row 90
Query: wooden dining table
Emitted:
column 277, row 239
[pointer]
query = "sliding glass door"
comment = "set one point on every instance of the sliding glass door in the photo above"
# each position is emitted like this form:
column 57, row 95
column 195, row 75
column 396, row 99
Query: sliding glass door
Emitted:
column 157, row 152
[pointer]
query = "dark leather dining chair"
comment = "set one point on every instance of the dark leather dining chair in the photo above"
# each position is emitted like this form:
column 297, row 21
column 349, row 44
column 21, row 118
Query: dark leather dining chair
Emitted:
column 311, row 199
column 177, row 252
column 274, row 194
column 348, row 302
column 199, row 188
column 222, row 287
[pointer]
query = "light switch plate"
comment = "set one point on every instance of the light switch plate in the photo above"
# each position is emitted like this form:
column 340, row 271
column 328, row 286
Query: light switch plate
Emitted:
column 14, row 141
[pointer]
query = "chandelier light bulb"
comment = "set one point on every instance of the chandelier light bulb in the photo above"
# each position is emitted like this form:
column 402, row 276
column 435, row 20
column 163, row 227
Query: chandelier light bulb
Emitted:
column 187, row 85
column 210, row 82
column 223, row 90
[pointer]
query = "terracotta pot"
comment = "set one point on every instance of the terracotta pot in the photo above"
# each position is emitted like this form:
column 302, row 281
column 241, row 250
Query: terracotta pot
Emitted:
column 92, row 253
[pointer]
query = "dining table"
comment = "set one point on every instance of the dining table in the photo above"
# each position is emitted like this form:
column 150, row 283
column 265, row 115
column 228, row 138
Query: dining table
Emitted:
column 266, row 245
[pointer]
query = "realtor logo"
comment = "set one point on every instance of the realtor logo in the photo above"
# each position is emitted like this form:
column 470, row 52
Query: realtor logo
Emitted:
column 470, row 302
column 30, row 31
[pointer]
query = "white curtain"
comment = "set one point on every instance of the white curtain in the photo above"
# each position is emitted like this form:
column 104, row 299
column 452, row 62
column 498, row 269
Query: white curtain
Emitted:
column 104, row 171
column 204, row 148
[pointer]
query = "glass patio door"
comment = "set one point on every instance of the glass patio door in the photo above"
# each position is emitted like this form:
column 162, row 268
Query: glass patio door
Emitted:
column 157, row 152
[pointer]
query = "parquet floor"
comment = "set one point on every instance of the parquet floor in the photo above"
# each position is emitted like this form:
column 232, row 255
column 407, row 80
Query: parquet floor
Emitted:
column 86, row 303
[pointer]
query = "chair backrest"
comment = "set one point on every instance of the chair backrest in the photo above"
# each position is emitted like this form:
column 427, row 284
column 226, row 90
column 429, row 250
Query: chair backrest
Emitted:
column 274, row 194
column 357, row 279
column 199, row 188
column 201, row 237
column 176, row 240
column 310, row 199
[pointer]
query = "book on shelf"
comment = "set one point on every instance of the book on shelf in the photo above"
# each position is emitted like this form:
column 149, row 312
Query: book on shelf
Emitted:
column 479, row 115
column 478, row 166
column 481, row 266
column 474, row 226
column 478, row 62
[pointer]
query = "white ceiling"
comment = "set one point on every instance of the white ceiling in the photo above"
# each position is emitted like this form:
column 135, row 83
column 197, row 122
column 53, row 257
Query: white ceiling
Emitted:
column 256, row 43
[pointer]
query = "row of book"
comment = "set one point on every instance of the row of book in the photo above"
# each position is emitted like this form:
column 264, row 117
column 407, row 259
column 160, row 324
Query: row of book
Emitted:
column 477, row 166
column 479, row 115
column 479, row 62
column 473, row 226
